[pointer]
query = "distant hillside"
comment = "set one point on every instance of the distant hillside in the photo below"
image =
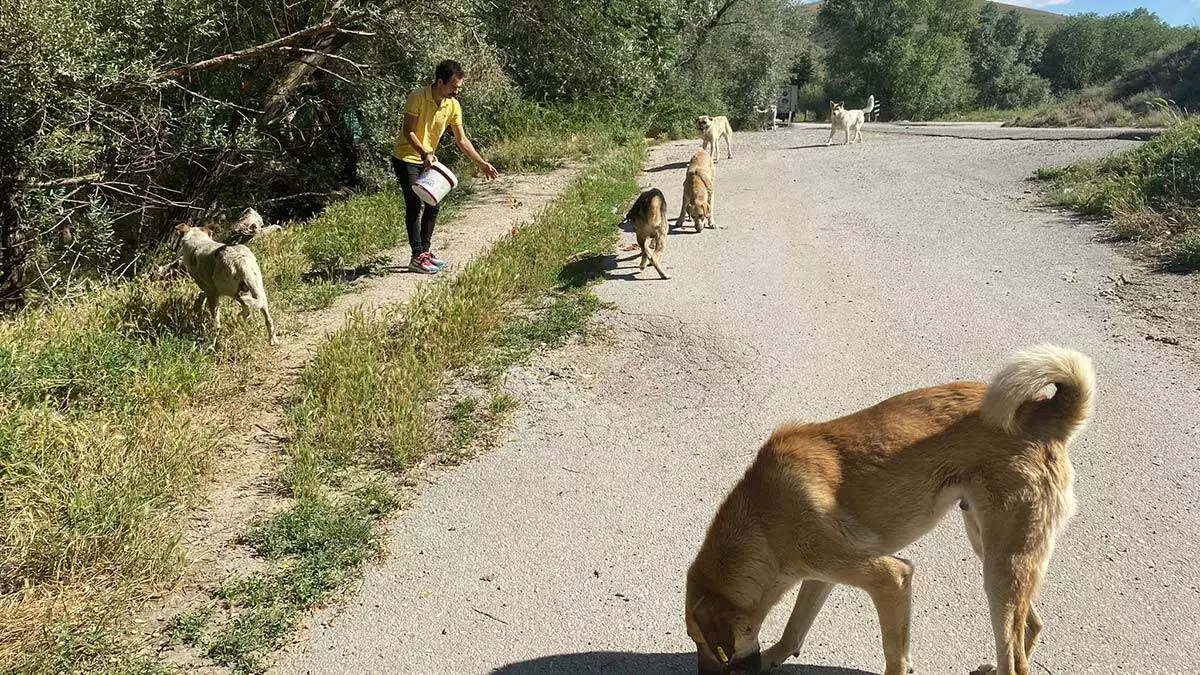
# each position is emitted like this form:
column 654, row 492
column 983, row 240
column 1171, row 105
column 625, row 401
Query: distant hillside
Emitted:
column 1131, row 99
column 1036, row 17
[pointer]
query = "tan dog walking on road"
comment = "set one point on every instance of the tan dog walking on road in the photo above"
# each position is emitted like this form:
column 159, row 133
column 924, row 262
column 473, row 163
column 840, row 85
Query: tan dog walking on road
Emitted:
column 712, row 130
column 699, row 192
column 830, row 503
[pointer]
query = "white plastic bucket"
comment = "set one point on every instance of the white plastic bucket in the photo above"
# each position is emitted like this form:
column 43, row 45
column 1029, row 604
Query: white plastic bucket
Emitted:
column 435, row 183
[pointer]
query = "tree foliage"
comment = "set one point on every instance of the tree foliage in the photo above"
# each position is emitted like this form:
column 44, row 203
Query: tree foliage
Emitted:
column 1089, row 49
column 119, row 118
column 1004, row 52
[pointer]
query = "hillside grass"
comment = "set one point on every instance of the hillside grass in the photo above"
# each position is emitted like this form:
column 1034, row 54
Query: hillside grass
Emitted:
column 1150, row 193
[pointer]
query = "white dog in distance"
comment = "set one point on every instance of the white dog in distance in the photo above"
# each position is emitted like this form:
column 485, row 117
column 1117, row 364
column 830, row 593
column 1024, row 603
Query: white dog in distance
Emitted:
column 849, row 119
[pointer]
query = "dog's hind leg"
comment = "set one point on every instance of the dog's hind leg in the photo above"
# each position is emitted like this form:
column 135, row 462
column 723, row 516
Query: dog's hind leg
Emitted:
column 809, row 601
column 271, row 338
column 660, row 244
column 1014, row 564
column 641, row 241
column 729, row 145
column 1033, row 621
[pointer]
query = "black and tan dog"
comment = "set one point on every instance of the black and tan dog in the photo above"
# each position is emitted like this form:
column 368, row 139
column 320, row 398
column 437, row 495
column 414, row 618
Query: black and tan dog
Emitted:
column 649, row 219
column 830, row 503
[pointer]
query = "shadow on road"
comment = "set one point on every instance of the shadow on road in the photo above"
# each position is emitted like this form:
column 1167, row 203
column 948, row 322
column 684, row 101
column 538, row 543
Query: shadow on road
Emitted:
column 668, row 167
column 640, row 664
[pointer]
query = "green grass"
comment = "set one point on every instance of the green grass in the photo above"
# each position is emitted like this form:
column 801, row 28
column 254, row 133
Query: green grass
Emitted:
column 1150, row 192
column 306, row 266
column 366, row 390
column 100, row 450
column 549, row 325
column 1093, row 108
column 367, row 407
column 315, row 547
column 113, row 408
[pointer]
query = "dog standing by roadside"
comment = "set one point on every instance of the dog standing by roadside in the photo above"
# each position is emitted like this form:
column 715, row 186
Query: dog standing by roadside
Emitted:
column 848, row 119
column 829, row 503
column 649, row 218
column 223, row 270
column 699, row 192
column 712, row 130
column 767, row 117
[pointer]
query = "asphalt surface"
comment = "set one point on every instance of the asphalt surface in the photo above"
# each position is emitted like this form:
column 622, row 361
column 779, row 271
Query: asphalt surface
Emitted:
column 839, row 276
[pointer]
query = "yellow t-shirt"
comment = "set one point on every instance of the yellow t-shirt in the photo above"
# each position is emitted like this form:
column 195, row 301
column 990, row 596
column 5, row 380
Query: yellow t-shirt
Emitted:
column 432, row 121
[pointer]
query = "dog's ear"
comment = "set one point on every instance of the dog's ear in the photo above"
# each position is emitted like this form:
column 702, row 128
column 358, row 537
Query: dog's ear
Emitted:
column 206, row 230
column 182, row 228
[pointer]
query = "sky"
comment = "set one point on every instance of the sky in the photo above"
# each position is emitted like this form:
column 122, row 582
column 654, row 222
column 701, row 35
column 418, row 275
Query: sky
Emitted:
column 1176, row 12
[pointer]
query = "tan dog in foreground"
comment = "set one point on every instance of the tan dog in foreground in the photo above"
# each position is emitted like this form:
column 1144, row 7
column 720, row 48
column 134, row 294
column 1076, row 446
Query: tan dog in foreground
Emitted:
column 699, row 191
column 223, row 270
column 828, row 503
column 712, row 130
column 649, row 218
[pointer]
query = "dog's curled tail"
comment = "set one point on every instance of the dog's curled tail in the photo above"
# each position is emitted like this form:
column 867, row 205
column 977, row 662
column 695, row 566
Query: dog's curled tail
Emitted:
column 1012, row 402
column 870, row 107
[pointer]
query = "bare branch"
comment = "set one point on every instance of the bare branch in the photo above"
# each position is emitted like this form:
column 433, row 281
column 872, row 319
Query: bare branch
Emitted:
column 706, row 29
column 243, row 54
column 336, row 57
column 213, row 100
column 64, row 182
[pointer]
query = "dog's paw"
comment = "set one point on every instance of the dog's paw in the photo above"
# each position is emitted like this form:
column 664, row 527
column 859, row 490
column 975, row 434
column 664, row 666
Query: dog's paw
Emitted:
column 985, row 669
column 775, row 657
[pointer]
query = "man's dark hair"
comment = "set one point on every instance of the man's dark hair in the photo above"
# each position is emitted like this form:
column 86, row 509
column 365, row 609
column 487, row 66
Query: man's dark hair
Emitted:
column 446, row 70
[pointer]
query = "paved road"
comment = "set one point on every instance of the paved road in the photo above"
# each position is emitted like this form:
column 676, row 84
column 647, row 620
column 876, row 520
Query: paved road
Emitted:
column 839, row 276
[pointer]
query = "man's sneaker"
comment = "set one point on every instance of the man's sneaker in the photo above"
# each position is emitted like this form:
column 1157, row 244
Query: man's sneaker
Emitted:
column 437, row 262
column 422, row 264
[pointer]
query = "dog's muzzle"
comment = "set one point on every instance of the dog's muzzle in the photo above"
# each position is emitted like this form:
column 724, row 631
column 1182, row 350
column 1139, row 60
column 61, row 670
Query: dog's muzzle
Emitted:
column 750, row 664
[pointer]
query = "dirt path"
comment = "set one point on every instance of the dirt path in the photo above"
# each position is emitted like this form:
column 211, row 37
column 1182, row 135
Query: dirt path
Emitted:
column 839, row 276
column 245, row 487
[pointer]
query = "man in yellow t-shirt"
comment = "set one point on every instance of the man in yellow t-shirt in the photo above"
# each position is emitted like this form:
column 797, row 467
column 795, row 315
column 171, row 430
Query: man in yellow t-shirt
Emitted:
column 426, row 115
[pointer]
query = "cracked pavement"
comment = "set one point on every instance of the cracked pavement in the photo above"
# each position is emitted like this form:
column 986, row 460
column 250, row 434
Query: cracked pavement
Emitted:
column 839, row 276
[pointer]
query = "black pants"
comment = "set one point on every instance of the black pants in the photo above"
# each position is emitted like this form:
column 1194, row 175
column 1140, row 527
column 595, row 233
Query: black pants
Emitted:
column 420, row 224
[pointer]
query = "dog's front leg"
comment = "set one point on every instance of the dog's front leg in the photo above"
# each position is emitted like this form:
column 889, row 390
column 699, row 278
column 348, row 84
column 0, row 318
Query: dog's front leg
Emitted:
column 682, row 213
column 809, row 601
column 214, row 310
column 888, row 580
column 832, row 131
